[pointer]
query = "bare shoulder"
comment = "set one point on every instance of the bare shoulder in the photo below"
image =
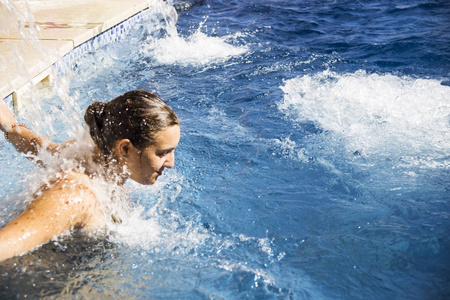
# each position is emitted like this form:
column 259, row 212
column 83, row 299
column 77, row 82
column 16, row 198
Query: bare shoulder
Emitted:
column 65, row 203
column 72, row 179
column 71, row 194
column 73, row 182
column 63, row 186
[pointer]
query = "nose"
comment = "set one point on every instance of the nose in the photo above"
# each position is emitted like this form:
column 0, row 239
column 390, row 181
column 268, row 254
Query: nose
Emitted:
column 170, row 160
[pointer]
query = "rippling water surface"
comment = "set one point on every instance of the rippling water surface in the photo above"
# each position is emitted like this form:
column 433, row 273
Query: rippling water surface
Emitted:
column 313, row 163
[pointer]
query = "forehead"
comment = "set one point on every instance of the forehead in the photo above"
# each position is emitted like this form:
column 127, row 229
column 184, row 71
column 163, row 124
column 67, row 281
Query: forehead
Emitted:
column 168, row 138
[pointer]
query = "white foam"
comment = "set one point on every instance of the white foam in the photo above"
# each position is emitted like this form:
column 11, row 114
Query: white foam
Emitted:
column 195, row 49
column 156, row 228
column 374, row 114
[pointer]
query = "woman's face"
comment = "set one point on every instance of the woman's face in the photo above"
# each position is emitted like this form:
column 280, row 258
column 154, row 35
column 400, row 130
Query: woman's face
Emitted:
column 147, row 165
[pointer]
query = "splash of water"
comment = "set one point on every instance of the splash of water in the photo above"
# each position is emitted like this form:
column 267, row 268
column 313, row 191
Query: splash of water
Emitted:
column 19, row 19
column 152, row 225
column 375, row 115
column 195, row 49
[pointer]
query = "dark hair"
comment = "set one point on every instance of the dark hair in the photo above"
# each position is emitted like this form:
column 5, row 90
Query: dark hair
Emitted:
column 136, row 115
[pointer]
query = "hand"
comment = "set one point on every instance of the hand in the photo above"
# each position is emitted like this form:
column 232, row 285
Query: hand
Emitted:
column 7, row 119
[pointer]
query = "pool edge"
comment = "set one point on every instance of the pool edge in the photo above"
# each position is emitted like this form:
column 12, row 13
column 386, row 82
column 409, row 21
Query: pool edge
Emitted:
column 12, row 86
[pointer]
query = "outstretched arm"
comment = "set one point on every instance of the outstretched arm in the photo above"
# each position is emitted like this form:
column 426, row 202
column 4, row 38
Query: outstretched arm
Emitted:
column 6, row 117
column 23, row 139
column 68, row 204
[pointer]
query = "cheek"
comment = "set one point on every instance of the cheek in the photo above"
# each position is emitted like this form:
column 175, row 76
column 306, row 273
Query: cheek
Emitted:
column 158, row 163
column 154, row 163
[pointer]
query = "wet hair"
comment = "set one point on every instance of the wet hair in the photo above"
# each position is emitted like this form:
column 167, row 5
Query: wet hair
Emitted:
column 136, row 115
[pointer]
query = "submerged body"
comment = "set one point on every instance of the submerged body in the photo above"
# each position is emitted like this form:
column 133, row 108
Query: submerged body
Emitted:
column 69, row 201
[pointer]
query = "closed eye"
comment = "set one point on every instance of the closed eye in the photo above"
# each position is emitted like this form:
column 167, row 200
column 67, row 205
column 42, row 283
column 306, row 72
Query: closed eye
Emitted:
column 164, row 152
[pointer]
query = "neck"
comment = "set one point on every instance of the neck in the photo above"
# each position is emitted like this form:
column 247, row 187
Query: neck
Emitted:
column 109, row 168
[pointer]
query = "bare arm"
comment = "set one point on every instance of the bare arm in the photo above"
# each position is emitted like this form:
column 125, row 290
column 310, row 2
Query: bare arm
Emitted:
column 24, row 140
column 68, row 204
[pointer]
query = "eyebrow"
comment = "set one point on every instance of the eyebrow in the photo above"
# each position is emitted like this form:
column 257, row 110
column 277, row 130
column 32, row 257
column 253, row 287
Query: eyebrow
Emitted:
column 166, row 150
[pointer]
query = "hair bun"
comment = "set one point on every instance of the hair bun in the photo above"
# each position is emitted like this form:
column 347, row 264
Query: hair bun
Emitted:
column 97, row 110
column 94, row 118
column 135, row 115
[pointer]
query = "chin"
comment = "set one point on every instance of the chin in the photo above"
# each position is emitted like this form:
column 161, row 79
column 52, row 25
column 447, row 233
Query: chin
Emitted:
column 148, row 182
column 151, row 180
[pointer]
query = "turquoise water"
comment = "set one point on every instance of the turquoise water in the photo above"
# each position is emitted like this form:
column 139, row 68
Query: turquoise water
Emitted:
column 313, row 163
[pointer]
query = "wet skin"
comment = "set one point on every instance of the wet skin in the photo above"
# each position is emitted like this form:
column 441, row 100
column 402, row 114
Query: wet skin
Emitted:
column 146, row 165
column 69, row 202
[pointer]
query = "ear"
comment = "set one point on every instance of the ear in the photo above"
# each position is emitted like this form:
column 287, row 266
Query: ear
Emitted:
column 124, row 148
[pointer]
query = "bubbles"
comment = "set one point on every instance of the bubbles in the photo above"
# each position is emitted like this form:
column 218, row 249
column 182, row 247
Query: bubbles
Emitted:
column 375, row 115
column 195, row 49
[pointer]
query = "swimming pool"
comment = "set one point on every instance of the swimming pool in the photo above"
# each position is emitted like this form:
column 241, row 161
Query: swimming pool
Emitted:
column 313, row 163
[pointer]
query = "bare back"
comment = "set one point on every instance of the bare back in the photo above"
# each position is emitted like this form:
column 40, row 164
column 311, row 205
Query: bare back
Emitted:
column 68, row 202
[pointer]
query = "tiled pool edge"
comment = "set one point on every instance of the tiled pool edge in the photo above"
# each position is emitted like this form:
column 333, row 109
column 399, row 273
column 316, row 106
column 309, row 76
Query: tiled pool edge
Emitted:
column 111, row 35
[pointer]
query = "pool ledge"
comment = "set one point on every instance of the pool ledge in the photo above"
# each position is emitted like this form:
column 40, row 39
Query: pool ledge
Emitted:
column 62, row 27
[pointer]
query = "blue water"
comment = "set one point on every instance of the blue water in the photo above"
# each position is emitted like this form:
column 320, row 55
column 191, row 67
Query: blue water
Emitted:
column 313, row 163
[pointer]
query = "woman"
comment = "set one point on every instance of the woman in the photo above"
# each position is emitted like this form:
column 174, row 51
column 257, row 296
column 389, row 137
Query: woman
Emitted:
column 135, row 136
